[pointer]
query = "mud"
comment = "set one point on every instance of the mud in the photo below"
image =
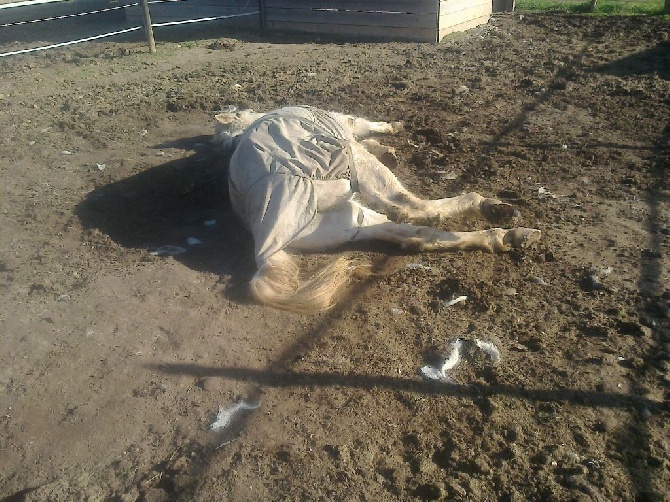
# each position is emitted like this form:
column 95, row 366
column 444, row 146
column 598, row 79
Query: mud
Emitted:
column 115, row 361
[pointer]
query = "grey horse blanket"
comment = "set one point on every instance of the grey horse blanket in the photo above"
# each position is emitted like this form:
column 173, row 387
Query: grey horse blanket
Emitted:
column 273, row 169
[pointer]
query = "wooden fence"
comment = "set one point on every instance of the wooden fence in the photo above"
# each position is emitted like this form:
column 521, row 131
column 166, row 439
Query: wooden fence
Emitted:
column 403, row 20
column 383, row 20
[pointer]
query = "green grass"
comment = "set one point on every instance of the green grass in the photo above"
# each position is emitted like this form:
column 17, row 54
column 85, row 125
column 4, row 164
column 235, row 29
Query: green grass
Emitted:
column 619, row 7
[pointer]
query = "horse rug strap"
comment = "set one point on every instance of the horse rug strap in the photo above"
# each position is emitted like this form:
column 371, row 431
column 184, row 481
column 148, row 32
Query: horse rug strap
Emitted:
column 273, row 169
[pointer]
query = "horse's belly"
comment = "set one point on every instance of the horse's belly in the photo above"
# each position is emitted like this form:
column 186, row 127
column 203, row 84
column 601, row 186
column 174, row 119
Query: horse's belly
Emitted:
column 331, row 194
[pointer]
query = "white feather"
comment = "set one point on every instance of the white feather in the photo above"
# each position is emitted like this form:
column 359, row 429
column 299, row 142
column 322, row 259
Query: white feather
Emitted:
column 490, row 349
column 226, row 414
column 454, row 301
column 434, row 373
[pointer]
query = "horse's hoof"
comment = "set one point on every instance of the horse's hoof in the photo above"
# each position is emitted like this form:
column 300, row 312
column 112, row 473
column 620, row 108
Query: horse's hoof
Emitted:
column 397, row 127
column 521, row 238
column 497, row 212
column 389, row 159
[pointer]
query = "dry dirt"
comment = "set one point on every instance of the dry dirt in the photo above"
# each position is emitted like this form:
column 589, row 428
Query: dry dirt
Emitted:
column 114, row 361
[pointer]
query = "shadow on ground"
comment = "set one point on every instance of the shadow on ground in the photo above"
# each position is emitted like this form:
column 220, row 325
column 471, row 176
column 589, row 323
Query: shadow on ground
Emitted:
column 168, row 204
column 653, row 60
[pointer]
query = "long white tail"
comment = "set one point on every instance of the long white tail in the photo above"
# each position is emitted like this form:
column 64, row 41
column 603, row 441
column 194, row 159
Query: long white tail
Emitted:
column 277, row 283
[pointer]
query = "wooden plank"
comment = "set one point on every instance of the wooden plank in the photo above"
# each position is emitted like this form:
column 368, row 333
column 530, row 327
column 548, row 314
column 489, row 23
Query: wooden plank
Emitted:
column 463, row 26
column 185, row 12
column 358, row 32
column 451, row 6
column 352, row 18
column 413, row 6
column 461, row 16
column 172, row 11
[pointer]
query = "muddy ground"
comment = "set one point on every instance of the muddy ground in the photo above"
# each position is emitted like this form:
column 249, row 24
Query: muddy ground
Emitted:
column 115, row 360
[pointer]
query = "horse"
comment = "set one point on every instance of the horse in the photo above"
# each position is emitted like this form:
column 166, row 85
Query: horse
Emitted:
column 302, row 179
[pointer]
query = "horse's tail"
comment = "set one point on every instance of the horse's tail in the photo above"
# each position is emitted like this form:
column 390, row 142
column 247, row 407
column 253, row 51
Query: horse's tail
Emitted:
column 277, row 283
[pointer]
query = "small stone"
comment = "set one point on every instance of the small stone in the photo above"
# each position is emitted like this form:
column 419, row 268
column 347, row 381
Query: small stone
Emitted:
column 510, row 292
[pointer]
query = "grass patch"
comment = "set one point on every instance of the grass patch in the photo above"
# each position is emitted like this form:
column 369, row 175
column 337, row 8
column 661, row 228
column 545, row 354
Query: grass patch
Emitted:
column 617, row 7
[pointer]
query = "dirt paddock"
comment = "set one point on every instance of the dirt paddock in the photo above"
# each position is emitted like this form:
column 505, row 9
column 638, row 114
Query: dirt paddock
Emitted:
column 115, row 359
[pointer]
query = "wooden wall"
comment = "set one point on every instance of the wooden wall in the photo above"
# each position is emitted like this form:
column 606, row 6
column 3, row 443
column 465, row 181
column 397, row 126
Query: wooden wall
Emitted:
column 460, row 15
column 388, row 20
column 194, row 9
column 402, row 20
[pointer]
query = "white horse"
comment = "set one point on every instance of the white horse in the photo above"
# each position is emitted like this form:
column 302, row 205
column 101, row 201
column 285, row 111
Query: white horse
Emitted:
column 303, row 179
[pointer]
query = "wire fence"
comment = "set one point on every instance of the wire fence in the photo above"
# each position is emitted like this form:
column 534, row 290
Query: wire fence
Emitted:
column 148, row 25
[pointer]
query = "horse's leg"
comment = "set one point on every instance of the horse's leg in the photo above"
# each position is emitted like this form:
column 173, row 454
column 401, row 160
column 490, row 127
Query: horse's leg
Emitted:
column 385, row 154
column 353, row 222
column 362, row 128
column 384, row 192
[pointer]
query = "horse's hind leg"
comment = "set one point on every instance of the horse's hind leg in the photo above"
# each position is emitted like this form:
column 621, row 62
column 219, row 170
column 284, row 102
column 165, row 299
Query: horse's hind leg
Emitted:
column 384, row 192
column 385, row 154
column 362, row 128
column 351, row 222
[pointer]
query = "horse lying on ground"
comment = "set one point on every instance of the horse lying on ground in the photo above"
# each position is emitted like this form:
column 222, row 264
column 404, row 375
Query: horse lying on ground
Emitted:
column 303, row 179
